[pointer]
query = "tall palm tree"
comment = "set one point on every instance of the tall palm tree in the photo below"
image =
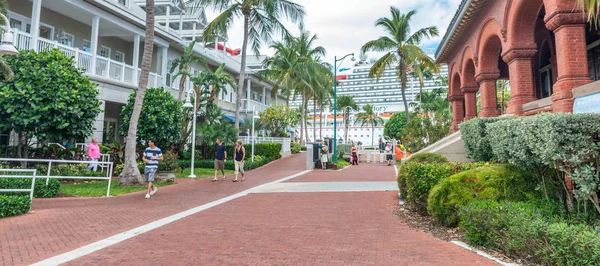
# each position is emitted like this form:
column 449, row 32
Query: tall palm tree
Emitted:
column 343, row 102
column 131, row 174
column 401, row 45
column 183, row 64
column 368, row 117
column 424, row 68
column 5, row 69
column 261, row 22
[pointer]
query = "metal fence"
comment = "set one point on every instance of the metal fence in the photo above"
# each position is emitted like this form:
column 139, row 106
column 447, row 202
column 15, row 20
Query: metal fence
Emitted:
column 33, row 175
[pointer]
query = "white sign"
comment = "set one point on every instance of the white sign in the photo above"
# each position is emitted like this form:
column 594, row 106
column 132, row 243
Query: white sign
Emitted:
column 587, row 104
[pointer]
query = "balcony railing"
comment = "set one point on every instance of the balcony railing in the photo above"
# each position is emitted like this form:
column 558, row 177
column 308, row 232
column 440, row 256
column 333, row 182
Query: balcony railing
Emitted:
column 105, row 67
column 249, row 106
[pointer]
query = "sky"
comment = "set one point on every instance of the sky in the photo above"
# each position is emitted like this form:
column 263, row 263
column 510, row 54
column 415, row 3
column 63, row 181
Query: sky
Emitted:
column 343, row 26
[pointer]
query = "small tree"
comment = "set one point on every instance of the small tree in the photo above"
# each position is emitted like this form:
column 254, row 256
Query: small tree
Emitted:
column 395, row 126
column 160, row 118
column 49, row 99
column 368, row 117
column 277, row 119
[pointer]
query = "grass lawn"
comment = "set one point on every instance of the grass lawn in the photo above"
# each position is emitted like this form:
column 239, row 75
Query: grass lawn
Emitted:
column 200, row 172
column 98, row 188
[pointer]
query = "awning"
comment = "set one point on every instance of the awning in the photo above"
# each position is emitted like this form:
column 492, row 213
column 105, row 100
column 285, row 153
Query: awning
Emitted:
column 231, row 119
column 290, row 130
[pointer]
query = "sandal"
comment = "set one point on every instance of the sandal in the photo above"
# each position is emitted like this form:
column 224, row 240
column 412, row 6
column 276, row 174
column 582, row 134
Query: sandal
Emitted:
column 224, row 178
column 214, row 180
column 235, row 180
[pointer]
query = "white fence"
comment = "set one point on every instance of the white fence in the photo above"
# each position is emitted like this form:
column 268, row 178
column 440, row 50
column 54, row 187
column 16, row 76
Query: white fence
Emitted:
column 33, row 175
column 285, row 142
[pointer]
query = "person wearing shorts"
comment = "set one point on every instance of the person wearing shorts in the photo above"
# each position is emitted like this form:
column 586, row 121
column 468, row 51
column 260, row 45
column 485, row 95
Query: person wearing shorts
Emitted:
column 152, row 155
column 220, row 158
column 240, row 154
column 388, row 153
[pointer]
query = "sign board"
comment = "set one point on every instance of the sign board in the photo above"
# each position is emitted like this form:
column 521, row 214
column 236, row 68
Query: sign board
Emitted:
column 587, row 104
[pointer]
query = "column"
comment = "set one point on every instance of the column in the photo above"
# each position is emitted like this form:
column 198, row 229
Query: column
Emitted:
column 571, row 57
column 98, row 124
column 522, row 85
column 36, row 11
column 488, row 94
column 264, row 96
column 470, row 92
column 168, row 18
column 194, row 31
column 248, row 93
column 163, row 66
column 94, row 43
column 136, row 57
column 180, row 24
column 457, row 111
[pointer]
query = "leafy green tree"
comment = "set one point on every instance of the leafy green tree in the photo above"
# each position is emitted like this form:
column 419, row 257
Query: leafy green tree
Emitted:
column 277, row 119
column 49, row 99
column 160, row 118
column 422, row 69
column 346, row 103
column 368, row 117
column 401, row 47
column 395, row 126
column 183, row 64
column 261, row 22
column 212, row 126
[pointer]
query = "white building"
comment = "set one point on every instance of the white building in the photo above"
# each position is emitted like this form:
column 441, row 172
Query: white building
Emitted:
column 106, row 38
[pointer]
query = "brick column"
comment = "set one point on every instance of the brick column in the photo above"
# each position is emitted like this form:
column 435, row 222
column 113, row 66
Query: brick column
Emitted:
column 571, row 57
column 470, row 102
column 489, row 94
column 522, row 85
column 457, row 111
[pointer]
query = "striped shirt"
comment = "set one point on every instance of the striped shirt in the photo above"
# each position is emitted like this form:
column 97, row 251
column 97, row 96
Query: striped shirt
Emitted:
column 149, row 153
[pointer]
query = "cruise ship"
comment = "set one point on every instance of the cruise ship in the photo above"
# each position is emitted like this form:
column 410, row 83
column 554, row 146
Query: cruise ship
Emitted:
column 384, row 94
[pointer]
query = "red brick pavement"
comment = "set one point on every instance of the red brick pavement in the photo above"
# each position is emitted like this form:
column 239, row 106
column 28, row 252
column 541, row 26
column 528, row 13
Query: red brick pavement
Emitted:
column 358, row 228
column 61, row 225
column 362, row 172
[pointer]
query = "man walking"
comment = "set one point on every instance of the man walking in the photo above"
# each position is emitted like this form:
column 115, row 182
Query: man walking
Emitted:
column 152, row 155
column 220, row 158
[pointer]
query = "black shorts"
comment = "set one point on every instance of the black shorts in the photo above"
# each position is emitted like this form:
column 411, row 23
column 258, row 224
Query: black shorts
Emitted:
column 388, row 156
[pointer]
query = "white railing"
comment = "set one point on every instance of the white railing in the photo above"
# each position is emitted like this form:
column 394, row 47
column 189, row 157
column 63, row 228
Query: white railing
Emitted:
column 285, row 142
column 108, row 176
column 105, row 67
column 249, row 106
column 33, row 175
column 104, row 157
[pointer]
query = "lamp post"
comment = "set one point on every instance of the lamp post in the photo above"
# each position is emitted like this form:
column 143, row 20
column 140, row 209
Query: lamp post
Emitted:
column 7, row 47
column 188, row 104
column 335, row 60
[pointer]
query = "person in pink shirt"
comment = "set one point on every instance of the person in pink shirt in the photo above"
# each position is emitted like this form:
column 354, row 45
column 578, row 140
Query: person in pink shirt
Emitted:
column 94, row 154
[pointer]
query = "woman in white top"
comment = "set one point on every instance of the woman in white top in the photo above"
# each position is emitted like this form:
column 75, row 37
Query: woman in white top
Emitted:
column 388, row 153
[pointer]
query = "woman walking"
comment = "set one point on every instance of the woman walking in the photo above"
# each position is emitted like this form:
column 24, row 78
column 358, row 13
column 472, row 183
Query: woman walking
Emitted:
column 94, row 154
column 354, row 155
column 324, row 156
column 240, row 154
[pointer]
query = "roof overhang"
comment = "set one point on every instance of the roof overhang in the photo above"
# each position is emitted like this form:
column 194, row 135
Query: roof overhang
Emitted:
column 466, row 13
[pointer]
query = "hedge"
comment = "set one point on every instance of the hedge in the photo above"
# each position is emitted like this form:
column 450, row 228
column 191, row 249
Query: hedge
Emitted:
column 537, row 230
column 229, row 165
column 417, row 179
column 11, row 205
column 40, row 190
column 474, row 137
column 490, row 182
column 295, row 147
column 272, row 150
column 425, row 157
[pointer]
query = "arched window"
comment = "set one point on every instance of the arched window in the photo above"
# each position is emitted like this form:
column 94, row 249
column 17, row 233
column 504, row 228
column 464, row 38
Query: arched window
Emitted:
column 546, row 80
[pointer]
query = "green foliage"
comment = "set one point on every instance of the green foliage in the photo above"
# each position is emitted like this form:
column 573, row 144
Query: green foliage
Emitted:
column 295, row 147
column 98, row 188
column 160, row 118
column 49, row 98
column 11, row 205
column 212, row 126
column 537, row 230
column 40, row 190
column 421, row 132
column 169, row 163
column 416, row 179
column 271, row 150
column 140, row 165
column 394, row 127
column 277, row 119
column 474, row 136
column 427, row 157
column 303, row 148
column 229, row 165
column 492, row 182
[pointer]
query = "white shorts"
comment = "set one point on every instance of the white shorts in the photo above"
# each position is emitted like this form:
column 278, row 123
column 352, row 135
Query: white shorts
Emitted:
column 324, row 158
column 239, row 166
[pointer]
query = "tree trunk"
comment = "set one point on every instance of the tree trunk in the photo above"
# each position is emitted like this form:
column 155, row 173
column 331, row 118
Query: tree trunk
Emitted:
column 346, row 124
column 242, row 72
column 421, row 94
column 131, row 174
column 314, row 118
column 321, row 123
column 403, row 80
column 302, row 110
column 181, row 84
column 306, row 120
column 502, row 107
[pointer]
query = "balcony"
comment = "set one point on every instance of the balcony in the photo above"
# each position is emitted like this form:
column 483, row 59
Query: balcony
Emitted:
column 106, row 68
column 250, row 105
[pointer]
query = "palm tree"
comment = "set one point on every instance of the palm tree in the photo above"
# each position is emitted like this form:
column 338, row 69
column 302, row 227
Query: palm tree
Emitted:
column 593, row 10
column 368, row 117
column 5, row 69
column 131, row 174
column 261, row 21
column 343, row 102
column 182, row 65
column 424, row 68
column 401, row 46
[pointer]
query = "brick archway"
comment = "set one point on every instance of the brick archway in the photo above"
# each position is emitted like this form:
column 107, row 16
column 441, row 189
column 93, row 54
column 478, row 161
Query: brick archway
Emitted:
column 490, row 47
column 468, row 84
column 457, row 98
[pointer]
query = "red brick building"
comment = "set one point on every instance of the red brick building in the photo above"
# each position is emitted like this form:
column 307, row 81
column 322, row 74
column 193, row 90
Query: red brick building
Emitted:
column 544, row 48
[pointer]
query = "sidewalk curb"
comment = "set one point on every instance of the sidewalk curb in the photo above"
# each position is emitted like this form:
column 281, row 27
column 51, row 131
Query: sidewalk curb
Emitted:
column 482, row 253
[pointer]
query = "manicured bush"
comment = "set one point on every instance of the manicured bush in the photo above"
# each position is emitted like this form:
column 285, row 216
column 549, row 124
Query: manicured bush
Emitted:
column 229, row 165
column 11, row 205
column 40, row 190
column 303, row 148
column 427, row 157
column 416, row 179
column 491, row 182
column 271, row 150
column 295, row 147
column 537, row 230
column 474, row 136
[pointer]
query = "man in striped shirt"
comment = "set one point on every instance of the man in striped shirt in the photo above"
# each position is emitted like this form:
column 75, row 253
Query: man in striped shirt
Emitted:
column 152, row 155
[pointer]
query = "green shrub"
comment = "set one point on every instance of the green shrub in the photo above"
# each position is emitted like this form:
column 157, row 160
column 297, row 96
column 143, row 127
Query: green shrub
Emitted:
column 40, row 190
column 295, row 147
column 11, row 205
column 416, row 179
column 229, row 165
column 492, row 182
column 303, row 148
column 427, row 157
column 537, row 230
column 140, row 165
column 474, row 136
column 271, row 150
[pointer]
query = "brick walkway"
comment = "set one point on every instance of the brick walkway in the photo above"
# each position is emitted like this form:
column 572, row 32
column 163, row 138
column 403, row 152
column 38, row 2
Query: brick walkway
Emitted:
column 342, row 228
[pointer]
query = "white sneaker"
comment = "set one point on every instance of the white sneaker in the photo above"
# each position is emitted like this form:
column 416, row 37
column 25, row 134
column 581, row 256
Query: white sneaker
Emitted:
column 147, row 196
column 153, row 191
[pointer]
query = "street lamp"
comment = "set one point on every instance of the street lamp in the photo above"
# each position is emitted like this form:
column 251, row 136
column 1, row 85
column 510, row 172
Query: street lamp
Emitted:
column 7, row 47
column 188, row 104
column 335, row 60
column 254, row 117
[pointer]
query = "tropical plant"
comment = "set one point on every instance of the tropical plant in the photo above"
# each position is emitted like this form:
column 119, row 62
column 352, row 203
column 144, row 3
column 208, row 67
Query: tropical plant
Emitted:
column 593, row 10
column 424, row 68
column 49, row 103
column 394, row 127
column 261, row 22
column 368, row 117
column 131, row 174
column 277, row 119
column 346, row 103
column 183, row 64
column 401, row 47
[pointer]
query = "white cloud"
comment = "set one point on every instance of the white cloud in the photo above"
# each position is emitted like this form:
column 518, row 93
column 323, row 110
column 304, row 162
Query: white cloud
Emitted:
column 343, row 26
